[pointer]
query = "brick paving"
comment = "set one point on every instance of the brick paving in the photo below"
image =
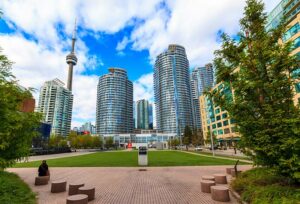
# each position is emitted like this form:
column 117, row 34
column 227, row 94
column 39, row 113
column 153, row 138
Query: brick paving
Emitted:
column 129, row 185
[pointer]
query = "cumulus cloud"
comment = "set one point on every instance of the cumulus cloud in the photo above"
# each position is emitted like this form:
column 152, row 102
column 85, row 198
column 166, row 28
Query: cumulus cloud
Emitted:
column 143, row 88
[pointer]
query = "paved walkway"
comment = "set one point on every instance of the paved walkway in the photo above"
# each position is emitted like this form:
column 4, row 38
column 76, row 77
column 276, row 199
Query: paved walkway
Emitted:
column 129, row 185
column 55, row 156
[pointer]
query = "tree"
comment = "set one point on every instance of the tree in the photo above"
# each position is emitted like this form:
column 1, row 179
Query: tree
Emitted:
column 109, row 142
column 16, row 128
column 187, row 136
column 197, row 138
column 258, row 69
column 208, row 139
column 97, row 142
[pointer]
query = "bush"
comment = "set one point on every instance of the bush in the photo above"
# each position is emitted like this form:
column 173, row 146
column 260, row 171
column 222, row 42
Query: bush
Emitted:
column 264, row 185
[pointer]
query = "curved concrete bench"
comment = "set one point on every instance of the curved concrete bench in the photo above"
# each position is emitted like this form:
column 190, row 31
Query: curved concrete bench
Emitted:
column 58, row 186
column 205, row 185
column 41, row 180
column 89, row 191
column 228, row 170
column 211, row 178
column 233, row 173
column 220, row 178
column 77, row 199
column 220, row 193
column 73, row 188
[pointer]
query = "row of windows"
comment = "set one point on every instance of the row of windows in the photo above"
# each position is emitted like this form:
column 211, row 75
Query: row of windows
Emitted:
column 291, row 32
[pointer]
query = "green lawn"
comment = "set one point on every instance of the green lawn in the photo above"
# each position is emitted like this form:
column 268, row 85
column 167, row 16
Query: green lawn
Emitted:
column 14, row 191
column 129, row 159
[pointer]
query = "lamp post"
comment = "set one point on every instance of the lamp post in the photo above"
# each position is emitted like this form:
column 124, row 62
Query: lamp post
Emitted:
column 211, row 139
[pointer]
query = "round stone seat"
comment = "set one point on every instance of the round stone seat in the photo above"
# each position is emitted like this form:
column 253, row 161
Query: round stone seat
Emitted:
column 41, row 180
column 77, row 199
column 73, row 188
column 228, row 170
column 58, row 186
column 220, row 178
column 233, row 173
column 205, row 185
column 220, row 193
column 89, row 191
column 211, row 178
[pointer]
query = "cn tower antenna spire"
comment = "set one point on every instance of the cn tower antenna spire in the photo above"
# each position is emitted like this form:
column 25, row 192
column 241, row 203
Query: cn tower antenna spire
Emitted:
column 71, row 59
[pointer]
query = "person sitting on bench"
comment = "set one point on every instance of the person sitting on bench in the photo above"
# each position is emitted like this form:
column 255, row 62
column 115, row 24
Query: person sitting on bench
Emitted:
column 43, row 169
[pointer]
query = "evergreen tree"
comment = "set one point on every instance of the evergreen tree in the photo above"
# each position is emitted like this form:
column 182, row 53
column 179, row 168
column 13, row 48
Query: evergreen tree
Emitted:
column 187, row 136
column 258, row 69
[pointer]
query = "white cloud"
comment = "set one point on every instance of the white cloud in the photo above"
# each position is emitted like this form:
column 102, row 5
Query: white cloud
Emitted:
column 122, row 45
column 143, row 88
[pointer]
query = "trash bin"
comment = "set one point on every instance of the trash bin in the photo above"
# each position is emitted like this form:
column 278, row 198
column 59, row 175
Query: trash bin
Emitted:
column 143, row 156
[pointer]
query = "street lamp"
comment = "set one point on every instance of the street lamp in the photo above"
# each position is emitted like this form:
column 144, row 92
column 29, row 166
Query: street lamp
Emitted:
column 211, row 138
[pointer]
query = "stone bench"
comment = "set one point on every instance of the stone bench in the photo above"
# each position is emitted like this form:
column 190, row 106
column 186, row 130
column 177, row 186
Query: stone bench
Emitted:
column 73, row 188
column 41, row 180
column 233, row 174
column 228, row 170
column 211, row 178
column 58, row 186
column 205, row 185
column 220, row 193
column 89, row 191
column 220, row 178
column 77, row 199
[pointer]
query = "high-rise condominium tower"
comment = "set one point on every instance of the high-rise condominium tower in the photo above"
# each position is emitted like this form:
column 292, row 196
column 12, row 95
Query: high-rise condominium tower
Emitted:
column 56, row 104
column 144, row 114
column 172, row 91
column 114, row 112
column 202, row 78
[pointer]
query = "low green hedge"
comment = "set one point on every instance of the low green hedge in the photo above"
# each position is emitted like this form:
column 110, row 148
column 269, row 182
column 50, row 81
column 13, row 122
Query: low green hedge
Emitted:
column 263, row 185
column 14, row 191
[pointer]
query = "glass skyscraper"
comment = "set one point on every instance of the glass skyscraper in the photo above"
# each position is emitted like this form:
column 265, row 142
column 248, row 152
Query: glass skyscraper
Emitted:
column 55, row 103
column 144, row 114
column 114, row 111
column 172, row 91
column 202, row 78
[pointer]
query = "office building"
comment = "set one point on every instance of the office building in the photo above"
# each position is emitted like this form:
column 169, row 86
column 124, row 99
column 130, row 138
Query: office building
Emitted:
column 202, row 78
column 55, row 103
column 172, row 91
column 144, row 114
column 114, row 107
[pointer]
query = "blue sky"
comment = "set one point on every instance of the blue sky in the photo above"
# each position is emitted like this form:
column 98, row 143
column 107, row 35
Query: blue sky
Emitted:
column 111, row 33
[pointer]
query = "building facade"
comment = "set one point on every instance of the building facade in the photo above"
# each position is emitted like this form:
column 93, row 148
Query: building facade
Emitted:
column 114, row 107
column 172, row 91
column 144, row 114
column 217, row 119
column 202, row 78
column 55, row 103
column 290, row 9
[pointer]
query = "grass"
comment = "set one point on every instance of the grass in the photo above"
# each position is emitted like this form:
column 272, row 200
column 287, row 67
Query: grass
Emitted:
column 14, row 191
column 264, row 186
column 130, row 159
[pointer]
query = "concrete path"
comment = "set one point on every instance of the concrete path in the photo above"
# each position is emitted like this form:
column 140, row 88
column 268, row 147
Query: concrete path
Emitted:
column 55, row 156
column 129, row 185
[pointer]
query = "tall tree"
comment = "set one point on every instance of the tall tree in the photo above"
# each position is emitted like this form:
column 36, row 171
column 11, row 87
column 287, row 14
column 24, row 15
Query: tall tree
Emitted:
column 197, row 138
column 258, row 69
column 16, row 128
column 187, row 136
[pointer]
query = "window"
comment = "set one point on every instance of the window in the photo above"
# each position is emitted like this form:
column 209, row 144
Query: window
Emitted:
column 215, row 132
column 226, row 131
column 296, row 43
column 296, row 73
column 217, row 111
column 225, row 123
column 220, row 124
column 291, row 32
column 297, row 87
column 220, row 132
column 218, row 117
column 224, row 115
column 232, row 121
column 214, row 126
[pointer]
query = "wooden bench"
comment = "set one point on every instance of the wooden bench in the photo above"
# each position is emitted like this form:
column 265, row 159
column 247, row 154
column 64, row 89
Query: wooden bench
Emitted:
column 73, row 188
column 41, row 180
column 211, row 178
column 205, row 185
column 220, row 193
column 77, row 199
column 220, row 178
column 89, row 191
column 58, row 186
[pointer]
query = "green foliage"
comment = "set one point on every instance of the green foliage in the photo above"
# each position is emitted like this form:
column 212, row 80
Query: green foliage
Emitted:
column 258, row 69
column 84, row 141
column 187, row 136
column 173, row 143
column 208, row 139
column 197, row 138
column 16, row 128
column 264, row 185
column 109, row 142
column 14, row 190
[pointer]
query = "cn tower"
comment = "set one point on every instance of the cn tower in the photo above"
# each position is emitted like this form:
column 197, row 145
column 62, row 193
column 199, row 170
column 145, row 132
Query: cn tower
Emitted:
column 71, row 60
